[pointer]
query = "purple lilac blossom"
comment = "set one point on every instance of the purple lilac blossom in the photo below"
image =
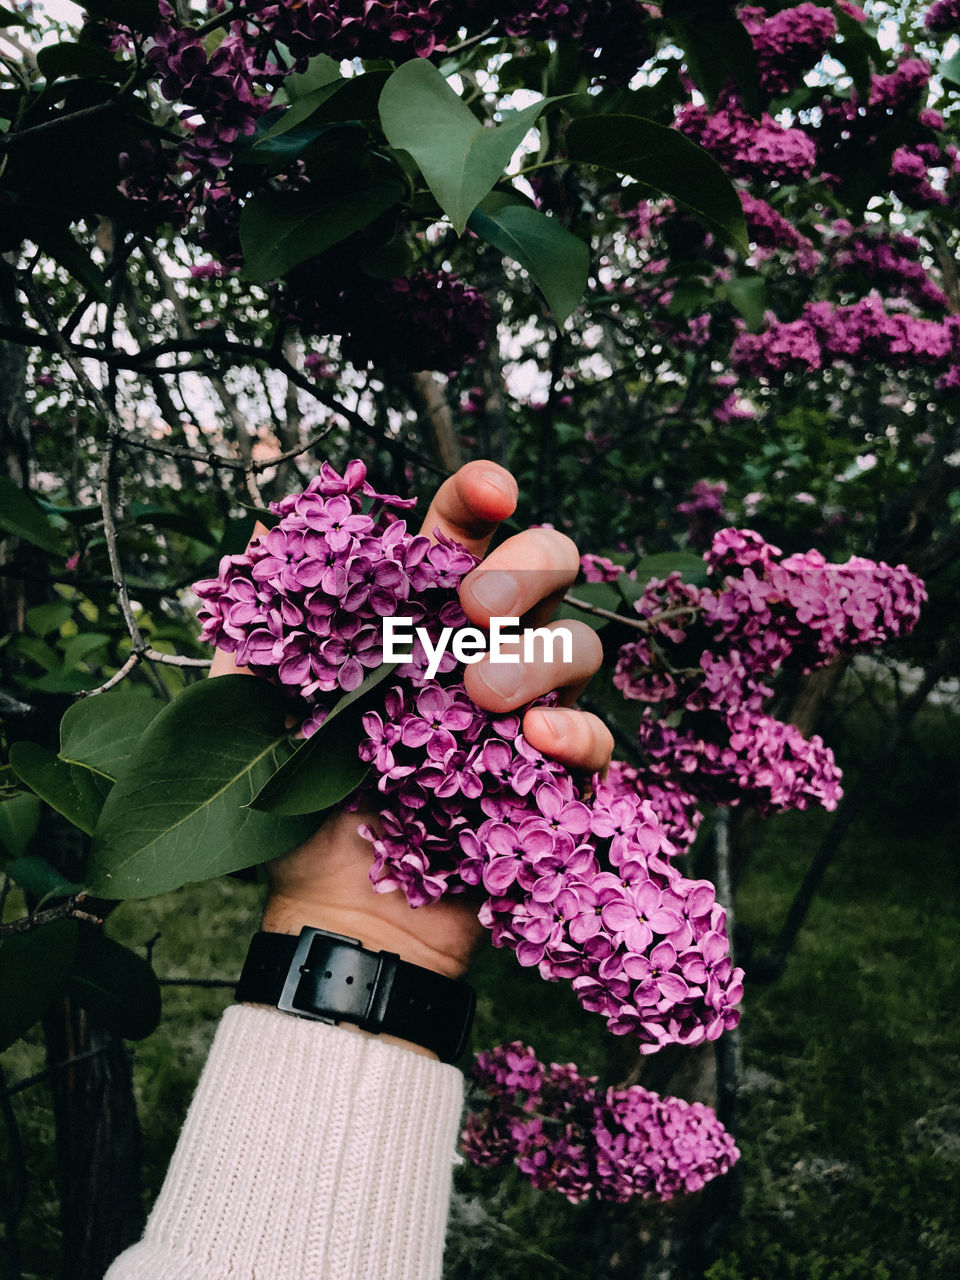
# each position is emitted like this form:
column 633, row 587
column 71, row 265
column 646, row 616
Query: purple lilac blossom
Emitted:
column 944, row 15
column 567, row 1134
column 788, row 43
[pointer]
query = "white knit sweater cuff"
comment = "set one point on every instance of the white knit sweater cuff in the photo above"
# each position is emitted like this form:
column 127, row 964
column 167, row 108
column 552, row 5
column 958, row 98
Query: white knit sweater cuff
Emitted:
column 309, row 1153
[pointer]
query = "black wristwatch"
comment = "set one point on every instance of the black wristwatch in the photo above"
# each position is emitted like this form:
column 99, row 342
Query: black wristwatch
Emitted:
column 331, row 978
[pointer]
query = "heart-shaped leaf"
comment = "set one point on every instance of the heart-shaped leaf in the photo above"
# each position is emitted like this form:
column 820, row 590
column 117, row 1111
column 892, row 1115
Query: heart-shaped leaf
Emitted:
column 72, row 789
column 460, row 158
column 101, row 732
column 665, row 160
column 279, row 229
column 557, row 261
column 116, row 985
column 176, row 813
column 33, row 970
column 325, row 768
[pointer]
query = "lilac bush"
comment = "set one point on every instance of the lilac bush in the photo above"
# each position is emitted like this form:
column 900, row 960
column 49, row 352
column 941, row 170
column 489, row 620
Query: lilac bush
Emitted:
column 566, row 1134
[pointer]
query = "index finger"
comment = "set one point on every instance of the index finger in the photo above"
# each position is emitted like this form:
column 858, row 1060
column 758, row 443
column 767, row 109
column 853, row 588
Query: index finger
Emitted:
column 470, row 504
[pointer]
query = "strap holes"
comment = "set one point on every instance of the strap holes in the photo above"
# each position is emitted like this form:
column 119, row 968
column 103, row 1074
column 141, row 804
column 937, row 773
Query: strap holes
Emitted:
column 328, row 973
column 349, row 978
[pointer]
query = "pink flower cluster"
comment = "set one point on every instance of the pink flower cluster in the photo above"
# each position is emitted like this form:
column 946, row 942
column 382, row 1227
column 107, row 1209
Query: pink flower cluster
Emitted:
column 771, row 230
column 568, row 1135
column 305, row 602
column 705, row 726
column 599, row 568
column 579, row 885
column 676, row 809
column 890, row 261
column 754, row 150
column 788, row 43
column 864, row 332
column 704, row 510
column 944, row 15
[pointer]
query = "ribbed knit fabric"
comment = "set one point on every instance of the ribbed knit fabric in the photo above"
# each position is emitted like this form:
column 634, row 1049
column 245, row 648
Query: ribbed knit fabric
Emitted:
column 308, row 1153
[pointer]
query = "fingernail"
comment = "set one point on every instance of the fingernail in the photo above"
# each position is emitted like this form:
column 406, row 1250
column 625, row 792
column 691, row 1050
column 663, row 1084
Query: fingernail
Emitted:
column 502, row 482
column 502, row 678
column 495, row 591
column 556, row 722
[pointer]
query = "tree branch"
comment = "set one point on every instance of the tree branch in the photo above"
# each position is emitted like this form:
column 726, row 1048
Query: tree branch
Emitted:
column 70, row 909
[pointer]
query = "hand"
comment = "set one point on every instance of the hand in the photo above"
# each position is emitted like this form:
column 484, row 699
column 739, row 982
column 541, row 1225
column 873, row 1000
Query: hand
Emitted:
column 325, row 882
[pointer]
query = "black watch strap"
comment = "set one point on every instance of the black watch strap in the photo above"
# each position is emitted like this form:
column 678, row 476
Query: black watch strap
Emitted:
column 332, row 978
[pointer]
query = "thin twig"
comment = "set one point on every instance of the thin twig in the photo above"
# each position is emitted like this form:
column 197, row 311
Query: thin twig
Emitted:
column 146, row 654
column 638, row 624
column 38, row 1078
column 67, row 910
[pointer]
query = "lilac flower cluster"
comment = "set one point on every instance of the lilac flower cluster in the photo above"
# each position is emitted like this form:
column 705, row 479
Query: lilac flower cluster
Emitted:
column 770, row 230
column 676, row 809
column 579, row 886
column 566, row 1134
column 305, row 602
column 704, row 726
column 599, row 568
column 944, row 15
column 890, row 261
column 788, row 43
column 429, row 320
column 910, row 174
column 704, row 510
column 864, row 332
column 754, row 150
column 784, row 346
column 904, row 88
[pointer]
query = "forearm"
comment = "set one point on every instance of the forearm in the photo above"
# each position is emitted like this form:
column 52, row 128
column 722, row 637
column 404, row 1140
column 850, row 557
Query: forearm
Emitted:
column 310, row 1152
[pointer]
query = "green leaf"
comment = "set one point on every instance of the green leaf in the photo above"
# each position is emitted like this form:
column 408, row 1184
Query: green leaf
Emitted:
column 44, row 618
column 689, row 565
column 140, row 14
column 949, row 69
column 341, row 99
column 59, row 243
column 72, row 789
column 461, row 159
column 603, row 594
column 749, row 295
column 176, row 813
column 855, row 48
column 79, row 647
column 116, row 985
column 40, row 878
column 279, row 229
column 19, row 817
column 325, row 768
column 557, row 261
column 664, row 159
column 102, row 732
column 57, row 61
column 717, row 49
column 22, row 515
column 322, row 70
column 33, row 969
column 10, row 19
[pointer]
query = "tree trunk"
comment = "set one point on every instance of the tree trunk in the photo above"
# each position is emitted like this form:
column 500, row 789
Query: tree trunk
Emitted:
column 97, row 1133
column 98, row 1142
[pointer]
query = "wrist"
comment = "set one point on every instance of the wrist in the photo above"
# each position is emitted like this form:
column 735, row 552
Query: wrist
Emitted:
column 326, row 976
column 289, row 915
